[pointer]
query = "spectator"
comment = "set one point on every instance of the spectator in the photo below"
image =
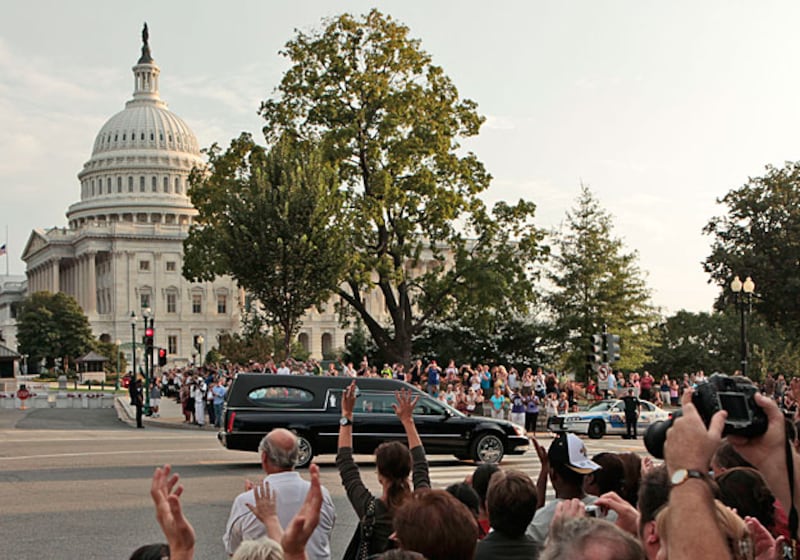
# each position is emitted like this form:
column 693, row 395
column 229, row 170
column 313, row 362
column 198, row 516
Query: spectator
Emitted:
column 744, row 490
column 219, row 391
column 394, row 463
column 653, row 496
column 436, row 525
column 567, row 464
column 511, row 503
column 155, row 398
column 584, row 538
column 632, row 464
column 480, row 482
column 517, row 409
column 497, row 402
column 608, row 478
column 467, row 495
column 531, row 413
column 736, row 542
column 279, row 453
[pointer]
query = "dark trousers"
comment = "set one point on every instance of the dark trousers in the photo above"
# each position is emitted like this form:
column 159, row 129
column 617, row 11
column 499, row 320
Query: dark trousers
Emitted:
column 630, row 424
column 139, row 408
column 530, row 421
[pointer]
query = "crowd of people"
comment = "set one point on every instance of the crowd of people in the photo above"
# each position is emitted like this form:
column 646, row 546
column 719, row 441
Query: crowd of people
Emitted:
column 713, row 497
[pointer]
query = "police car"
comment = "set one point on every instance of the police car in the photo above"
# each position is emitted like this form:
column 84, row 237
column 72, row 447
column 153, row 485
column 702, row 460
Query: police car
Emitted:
column 606, row 418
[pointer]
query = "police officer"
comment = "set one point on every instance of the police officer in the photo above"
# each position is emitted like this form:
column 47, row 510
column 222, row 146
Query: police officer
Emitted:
column 632, row 408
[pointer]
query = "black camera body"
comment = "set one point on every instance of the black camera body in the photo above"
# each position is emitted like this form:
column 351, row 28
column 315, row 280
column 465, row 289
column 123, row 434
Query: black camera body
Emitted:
column 736, row 395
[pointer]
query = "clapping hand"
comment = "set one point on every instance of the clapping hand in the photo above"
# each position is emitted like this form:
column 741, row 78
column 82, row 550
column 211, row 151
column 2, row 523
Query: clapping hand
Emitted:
column 166, row 493
column 404, row 408
column 266, row 510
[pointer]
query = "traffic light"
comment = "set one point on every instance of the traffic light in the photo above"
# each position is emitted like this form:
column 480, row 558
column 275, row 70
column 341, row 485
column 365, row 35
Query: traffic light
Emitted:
column 612, row 348
column 148, row 339
column 162, row 357
column 595, row 350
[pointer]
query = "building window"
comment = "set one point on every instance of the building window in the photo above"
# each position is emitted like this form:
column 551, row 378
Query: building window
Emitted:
column 166, row 184
column 119, row 184
column 141, row 184
column 108, row 185
column 130, row 184
column 177, row 185
column 144, row 266
column 197, row 303
column 171, row 266
column 92, row 191
column 153, row 184
column 222, row 304
column 172, row 344
column 144, row 300
column 172, row 302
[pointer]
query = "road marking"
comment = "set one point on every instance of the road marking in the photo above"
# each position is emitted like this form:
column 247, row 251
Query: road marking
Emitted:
column 107, row 453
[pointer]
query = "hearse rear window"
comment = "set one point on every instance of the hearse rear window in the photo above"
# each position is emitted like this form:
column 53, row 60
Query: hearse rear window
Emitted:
column 280, row 396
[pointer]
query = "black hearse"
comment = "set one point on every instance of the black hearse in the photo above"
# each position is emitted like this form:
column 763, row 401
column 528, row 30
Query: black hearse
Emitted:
column 311, row 407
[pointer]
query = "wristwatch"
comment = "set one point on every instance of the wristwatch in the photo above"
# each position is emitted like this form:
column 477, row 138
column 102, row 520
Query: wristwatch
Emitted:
column 682, row 475
column 344, row 421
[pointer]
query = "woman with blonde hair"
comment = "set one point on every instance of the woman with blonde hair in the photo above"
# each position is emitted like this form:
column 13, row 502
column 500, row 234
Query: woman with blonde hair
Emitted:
column 733, row 528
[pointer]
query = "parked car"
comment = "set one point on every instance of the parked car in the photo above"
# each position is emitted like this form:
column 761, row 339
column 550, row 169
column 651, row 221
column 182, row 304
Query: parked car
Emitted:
column 606, row 418
column 311, row 407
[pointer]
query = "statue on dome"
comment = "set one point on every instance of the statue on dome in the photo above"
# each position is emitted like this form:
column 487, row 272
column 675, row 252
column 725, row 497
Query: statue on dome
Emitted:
column 146, row 56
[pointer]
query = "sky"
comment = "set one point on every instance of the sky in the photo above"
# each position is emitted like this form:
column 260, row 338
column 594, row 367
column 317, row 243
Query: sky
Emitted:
column 661, row 108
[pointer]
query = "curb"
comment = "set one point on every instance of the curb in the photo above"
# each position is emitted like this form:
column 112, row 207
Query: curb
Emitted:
column 127, row 414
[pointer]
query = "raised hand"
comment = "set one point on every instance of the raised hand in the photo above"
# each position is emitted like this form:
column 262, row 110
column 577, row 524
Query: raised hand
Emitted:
column 166, row 492
column 349, row 400
column 406, row 401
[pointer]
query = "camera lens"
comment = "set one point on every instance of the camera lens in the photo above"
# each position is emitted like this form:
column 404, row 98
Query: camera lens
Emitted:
column 656, row 435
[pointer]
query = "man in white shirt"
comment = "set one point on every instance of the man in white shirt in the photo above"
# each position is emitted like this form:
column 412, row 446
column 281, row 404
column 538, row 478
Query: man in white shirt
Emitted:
column 284, row 369
column 278, row 456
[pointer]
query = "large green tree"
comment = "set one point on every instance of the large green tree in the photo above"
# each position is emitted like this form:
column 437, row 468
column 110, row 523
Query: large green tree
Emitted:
column 272, row 220
column 595, row 282
column 52, row 326
column 760, row 237
column 393, row 122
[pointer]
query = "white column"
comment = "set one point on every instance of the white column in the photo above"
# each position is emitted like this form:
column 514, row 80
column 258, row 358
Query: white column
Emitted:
column 56, row 276
column 92, row 284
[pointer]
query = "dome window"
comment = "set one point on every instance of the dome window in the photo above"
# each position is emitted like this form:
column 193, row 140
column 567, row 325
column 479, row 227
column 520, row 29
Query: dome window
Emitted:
column 166, row 184
column 115, row 137
column 119, row 184
column 108, row 185
column 161, row 136
column 177, row 185
column 152, row 136
column 170, row 137
column 130, row 184
column 141, row 184
column 123, row 136
column 142, row 136
column 153, row 184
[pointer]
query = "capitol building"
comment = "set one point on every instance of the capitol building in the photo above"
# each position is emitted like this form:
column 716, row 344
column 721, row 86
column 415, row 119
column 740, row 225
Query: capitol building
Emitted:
column 122, row 250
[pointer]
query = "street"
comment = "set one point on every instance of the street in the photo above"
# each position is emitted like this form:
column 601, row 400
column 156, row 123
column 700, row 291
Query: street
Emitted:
column 75, row 483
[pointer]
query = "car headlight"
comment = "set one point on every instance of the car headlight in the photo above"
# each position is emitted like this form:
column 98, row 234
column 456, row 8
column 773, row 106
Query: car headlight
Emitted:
column 520, row 431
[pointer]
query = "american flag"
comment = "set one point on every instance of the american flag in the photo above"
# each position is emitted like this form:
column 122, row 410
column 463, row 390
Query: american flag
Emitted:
column 3, row 249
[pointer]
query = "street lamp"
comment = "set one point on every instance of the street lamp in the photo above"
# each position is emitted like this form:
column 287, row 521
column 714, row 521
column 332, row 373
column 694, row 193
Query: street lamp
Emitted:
column 132, row 381
column 198, row 343
column 116, row 385
column 743, row 293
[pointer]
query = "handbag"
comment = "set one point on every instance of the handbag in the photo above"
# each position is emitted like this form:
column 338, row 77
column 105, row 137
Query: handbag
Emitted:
column 358, row 549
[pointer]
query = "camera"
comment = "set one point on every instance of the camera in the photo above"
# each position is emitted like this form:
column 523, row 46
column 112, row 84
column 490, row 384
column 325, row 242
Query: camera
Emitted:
column 592, row 511
column 734, row 394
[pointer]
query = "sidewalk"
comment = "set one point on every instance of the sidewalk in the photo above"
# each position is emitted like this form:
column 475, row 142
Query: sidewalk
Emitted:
column 170, row 415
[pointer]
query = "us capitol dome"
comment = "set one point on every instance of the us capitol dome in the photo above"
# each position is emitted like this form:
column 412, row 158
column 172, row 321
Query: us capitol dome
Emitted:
column 140, row 161
column 122, row 251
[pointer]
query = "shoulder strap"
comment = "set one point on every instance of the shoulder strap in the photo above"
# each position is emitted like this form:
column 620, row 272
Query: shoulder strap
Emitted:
column 367, row 527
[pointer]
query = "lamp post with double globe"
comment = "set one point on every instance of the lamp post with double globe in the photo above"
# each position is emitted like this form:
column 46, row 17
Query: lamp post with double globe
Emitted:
column 743, row 293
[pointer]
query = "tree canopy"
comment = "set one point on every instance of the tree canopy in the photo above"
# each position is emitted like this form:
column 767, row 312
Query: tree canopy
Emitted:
column 760, row 237
column 270, row 219
column 52, row 326
column 595, row 282
column 393, row 121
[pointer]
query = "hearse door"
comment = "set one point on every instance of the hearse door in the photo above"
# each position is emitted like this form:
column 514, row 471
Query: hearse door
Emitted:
column 374, row 421
column 441, row 430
